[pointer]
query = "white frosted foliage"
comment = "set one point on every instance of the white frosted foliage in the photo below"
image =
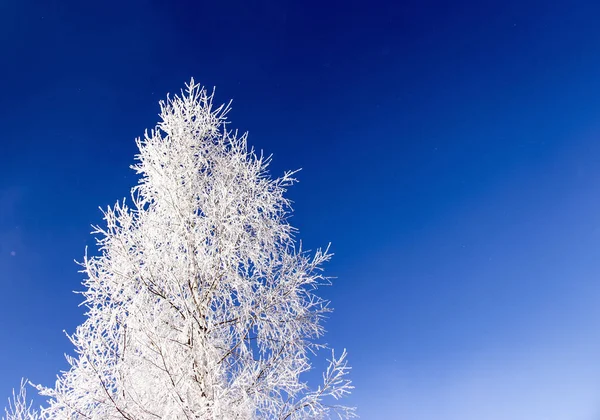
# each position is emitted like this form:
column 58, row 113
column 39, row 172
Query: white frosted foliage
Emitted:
column 200, row 304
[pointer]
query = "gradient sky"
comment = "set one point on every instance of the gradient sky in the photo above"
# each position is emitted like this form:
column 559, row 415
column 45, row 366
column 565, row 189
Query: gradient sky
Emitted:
column 450, row 153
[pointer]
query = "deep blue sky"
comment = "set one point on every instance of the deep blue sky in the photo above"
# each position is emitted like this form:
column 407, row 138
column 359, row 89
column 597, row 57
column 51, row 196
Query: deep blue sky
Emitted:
column 450, row 153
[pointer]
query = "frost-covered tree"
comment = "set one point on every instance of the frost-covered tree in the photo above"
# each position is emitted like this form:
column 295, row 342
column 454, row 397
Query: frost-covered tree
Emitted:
column 200, row 304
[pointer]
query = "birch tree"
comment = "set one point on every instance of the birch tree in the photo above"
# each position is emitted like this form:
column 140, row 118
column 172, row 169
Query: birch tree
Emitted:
column 200, row 302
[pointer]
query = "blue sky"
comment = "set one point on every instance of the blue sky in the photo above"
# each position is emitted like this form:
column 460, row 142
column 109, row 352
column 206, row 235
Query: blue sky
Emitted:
column 450, row 153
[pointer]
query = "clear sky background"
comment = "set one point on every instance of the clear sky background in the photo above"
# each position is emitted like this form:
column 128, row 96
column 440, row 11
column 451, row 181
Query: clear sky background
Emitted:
column 450, row 153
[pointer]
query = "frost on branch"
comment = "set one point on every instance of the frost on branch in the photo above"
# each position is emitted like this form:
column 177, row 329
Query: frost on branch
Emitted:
column 200, row 304
column 18, row 407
